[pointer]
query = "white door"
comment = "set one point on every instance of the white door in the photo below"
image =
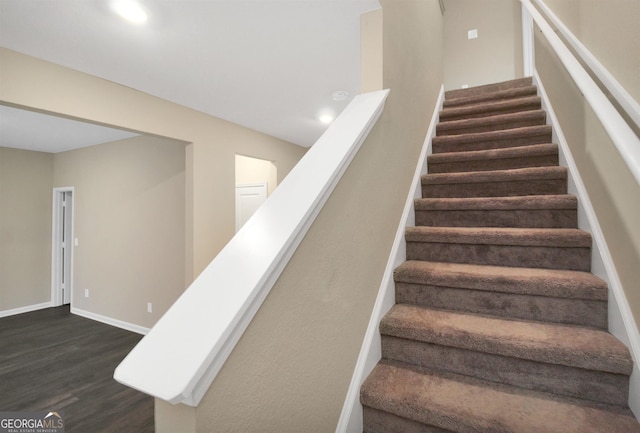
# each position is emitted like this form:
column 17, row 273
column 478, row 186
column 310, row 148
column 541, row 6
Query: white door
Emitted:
column 248, row 200
column 62, row 246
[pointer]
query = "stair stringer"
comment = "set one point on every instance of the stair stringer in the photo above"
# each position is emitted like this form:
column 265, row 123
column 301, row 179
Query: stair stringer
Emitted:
column 351, row 420
column 621, row 321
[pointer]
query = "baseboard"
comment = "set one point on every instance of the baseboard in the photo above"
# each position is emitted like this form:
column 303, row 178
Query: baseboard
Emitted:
column 350, row 420
column 621, row 321
column 25, row 309
column 111, row 321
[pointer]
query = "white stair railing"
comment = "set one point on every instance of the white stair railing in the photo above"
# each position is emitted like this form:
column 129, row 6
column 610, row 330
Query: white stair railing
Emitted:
column 180, row 357
column 619, row 93
column 622, row 135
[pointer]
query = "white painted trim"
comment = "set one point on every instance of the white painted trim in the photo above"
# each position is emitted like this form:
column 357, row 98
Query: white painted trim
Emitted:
column 350, row 420
column 264, row 185
column 248, row 185
column 621, row 321
column 626, row 101
column 528, row 43
column 56, row 299
column 25, row 309
column 625, row 140
column 110, row 321
column 196, row 335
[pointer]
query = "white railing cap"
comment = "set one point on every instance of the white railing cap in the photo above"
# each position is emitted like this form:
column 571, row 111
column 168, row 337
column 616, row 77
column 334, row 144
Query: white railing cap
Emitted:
column 179, row 358
column 622, row 135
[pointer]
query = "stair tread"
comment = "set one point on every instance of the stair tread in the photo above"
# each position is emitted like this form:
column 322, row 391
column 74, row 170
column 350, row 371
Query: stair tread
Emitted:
column 488, row 88
column 567, row 238
column 524, row 281
column 508, row 152
column 465, row 405
column 498, row 119
column 532, row 202
column 552, row 343
column 523, row 104
column 501, row 135
column 517, row 92
column 514, row 174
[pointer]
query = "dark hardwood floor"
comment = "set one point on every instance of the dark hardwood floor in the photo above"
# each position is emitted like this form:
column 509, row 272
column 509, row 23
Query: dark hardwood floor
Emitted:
column 52, row 360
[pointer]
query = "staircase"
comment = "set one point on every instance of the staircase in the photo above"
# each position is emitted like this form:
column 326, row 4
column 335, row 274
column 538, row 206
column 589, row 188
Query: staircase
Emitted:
column 498, row 326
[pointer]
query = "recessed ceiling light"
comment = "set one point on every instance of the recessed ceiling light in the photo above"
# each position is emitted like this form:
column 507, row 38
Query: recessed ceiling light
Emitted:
column 130, row 10
column 340, row 95
column 326, row 119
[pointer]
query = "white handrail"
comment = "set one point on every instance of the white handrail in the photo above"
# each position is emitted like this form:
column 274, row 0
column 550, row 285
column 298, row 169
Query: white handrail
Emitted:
column 628, row 104
column 623, row 137
column 180, row 357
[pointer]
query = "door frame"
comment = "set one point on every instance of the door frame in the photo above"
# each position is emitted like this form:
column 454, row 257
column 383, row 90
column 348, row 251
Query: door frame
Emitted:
column 58, row 193
column 264, row 185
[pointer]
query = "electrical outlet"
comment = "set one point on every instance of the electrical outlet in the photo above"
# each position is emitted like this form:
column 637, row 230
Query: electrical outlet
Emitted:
column 149, row 307
column 472, row 34
column 86, row 293
column 465, row 86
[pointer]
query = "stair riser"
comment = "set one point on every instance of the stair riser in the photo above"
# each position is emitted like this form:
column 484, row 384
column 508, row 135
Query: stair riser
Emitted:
column 572, row 258
column 443, row 130
column 398, row 415
column 465, row 404
column 447, row 144
column 447, row 115
column 509, row 305
column 522, row 92
column 531, row 282
column 493, row 164
column 377, row 421
column 525, row 218
column 558, row 379
column 487, row 89
column 495, row 189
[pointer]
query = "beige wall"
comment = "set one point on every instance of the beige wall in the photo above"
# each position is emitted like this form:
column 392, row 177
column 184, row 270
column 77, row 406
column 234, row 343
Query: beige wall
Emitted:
column 371, row 51
column 253, row 170
column 26, row 180
column 209, row 172
column 129, row 219
column 613, row 191
column 210, row 177
column 496, row 55
column 610, row 30
column 291, row 369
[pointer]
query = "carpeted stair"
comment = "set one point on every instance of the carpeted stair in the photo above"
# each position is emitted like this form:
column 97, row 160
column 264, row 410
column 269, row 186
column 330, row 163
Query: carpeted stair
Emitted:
column 499, row 326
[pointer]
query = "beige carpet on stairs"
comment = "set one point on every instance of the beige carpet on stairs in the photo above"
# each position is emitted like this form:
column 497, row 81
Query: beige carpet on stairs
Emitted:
column 499, row 325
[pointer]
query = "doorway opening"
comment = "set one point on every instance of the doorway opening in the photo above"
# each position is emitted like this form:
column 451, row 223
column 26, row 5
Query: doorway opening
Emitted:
column 62, row 247
column 255, row 181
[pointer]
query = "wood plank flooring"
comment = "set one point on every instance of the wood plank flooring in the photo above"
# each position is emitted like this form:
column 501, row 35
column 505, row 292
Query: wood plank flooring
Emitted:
column 56, row 361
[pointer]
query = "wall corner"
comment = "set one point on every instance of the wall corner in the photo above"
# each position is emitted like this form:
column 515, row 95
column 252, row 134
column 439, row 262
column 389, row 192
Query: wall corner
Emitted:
column 371, row 51
column 171, row 418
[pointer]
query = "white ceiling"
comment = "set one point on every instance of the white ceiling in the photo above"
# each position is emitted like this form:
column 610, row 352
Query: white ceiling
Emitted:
column 39, row 132
column 270, row 65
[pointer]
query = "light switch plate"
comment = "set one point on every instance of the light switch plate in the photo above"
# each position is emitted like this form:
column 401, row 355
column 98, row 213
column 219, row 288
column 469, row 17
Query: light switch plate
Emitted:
column 472, row 34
